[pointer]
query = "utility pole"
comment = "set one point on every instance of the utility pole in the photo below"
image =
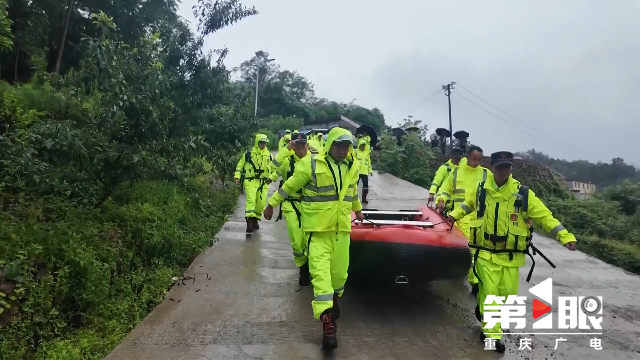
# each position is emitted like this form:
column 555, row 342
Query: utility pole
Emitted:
column 447, row 92
column 261, row 59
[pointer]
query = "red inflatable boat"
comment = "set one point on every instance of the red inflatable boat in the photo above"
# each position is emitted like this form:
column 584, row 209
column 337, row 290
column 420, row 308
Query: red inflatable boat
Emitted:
column 407, row 246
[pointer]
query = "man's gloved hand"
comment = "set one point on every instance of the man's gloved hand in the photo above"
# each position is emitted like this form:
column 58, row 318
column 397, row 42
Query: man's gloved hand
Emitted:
column 359, row 216
column 268, row 212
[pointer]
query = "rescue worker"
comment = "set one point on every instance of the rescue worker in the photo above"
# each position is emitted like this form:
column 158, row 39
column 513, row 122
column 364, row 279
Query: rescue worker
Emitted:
column 364, row 159
column 462, row 180
column 314, row 145
column 443, row 171
column 256, row 170
column 285, row 163
column 501, row 235
column 328, row 182
column 320, row 138
column 284, row 141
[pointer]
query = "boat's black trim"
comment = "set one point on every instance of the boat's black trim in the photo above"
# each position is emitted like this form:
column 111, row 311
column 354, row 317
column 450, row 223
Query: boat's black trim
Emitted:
column 384, row 261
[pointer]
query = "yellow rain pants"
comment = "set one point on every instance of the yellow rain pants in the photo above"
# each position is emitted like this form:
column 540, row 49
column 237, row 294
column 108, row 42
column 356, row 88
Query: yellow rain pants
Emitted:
column 463, row 225
column 495, row 280
column 256, row 192
column 328, row 265
column 296, row 234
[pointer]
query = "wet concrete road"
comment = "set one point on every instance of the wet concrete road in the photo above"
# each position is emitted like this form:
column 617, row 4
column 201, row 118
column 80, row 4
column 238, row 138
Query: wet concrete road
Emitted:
column 245, row 303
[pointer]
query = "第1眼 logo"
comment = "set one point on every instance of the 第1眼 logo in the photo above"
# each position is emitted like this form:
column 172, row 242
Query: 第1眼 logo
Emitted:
column 582, row 313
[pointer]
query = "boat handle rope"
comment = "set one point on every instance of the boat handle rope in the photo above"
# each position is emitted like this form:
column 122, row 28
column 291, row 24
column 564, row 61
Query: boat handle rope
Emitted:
column 374, row 224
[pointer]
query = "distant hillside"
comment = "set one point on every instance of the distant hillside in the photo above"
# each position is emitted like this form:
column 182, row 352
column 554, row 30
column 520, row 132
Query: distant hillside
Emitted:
column 601, row 174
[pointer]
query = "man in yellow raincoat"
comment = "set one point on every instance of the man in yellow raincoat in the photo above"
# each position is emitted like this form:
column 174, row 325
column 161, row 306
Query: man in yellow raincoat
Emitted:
column 501, row 235
column 328, row 181
column 284, row 140
column 364, row 158
column 463, row 179
column 443, row 171
column 255, row 168
column 285, row 163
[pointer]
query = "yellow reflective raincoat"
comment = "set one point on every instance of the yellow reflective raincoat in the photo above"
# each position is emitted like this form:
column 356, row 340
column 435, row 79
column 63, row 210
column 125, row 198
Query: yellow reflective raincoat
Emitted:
column 500, row 236
column 364, row 157
column 285, row 163
column 329, row 194
column 255, row 168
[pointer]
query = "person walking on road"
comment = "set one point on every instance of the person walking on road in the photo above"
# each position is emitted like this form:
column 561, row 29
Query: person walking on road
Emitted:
column 285, row 163
column 501, row 235
column 462, row 180
column 364, row 158
column 329, row 193
column 443, row 171
column 254, row 168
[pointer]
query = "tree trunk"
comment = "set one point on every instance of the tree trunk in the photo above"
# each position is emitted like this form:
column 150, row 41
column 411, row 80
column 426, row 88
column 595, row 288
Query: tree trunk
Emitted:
column 15, row 66
column 56, row 69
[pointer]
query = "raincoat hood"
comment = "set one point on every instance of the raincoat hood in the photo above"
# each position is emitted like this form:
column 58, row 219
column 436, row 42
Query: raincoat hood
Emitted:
column 339, row 134
column 362, row 142
column 260, row 137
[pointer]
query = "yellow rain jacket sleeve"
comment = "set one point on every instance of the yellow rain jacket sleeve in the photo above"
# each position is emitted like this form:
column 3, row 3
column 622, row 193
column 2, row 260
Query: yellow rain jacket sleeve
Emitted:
column 301, row 176
column 446, row 189
column 279, row 160
column 539, row 212
column 440, row 177
column 239, row 167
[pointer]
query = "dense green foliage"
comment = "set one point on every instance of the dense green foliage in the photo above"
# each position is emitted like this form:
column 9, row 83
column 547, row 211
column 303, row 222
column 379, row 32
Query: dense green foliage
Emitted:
column 607, row 226
column 601, row 174
column 99, row 156
column 77, row 280
column 288, row 94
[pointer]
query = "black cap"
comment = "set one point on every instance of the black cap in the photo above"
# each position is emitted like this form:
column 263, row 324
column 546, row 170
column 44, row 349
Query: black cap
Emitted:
column 501, row 158
column 457, row 151
column 299, row 137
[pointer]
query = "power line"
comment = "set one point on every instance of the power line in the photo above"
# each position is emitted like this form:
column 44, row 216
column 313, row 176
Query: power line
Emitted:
column 512, row 117
column 510, row 124
column 426, row 100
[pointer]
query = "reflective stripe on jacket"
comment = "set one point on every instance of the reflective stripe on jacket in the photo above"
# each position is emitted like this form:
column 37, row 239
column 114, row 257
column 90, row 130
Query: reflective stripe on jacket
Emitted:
column 502, row 227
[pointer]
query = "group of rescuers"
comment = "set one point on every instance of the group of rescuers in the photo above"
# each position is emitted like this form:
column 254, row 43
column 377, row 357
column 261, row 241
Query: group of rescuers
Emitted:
column 318, row 192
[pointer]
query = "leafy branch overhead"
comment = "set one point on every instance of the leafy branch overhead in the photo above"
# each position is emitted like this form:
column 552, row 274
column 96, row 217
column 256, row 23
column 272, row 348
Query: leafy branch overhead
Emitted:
column 213, row 15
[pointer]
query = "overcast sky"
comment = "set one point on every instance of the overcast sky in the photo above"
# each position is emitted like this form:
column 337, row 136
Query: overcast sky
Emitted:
column 569, row 70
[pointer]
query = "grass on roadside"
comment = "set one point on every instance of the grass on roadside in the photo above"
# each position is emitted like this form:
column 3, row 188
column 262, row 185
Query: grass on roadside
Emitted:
column 75, row 281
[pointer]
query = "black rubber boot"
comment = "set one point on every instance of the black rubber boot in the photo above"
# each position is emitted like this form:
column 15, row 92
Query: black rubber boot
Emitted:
column 249, row 225
column 329, row 340
column 255, row 223
column 474, row 289
column 336, row 307
column 365, row 192
column 304, row 280
column 500, row 346
column 478, row 315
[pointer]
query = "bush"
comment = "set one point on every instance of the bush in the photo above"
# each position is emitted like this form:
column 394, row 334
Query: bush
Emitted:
column 78, row 280
column 408, row 161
